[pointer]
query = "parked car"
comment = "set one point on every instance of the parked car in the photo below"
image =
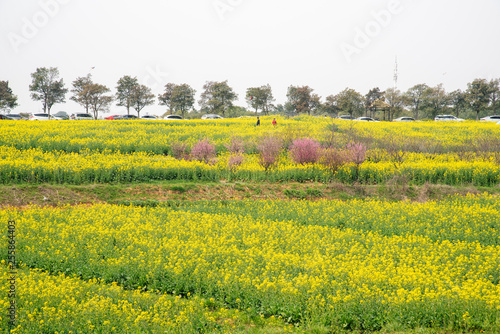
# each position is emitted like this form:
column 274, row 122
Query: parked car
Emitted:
column 148, row 117
column 347, row 117
column 61, row 115
column 82, row 116
column 211, row 116
column 404, row 119
column 125, row 117
column 173, row 118
column 40, row 117
column 3, row 116
column 365, row 119
column 112, row 117
column 493, row 118
column 15, row 117
column 448, row 118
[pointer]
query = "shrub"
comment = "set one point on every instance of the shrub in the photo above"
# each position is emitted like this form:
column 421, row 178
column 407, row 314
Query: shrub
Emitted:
column 332, row 158
column 203, row 151
column 235, row 160
column 356, row 152
column 237, row 145
column 305, row 150
column 180, row 150
column 269, row 150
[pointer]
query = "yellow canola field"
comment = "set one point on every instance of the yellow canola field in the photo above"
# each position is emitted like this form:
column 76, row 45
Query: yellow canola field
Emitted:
column 141, row 151
column 159, row 136
column 306, row 273
column 36, row 166
column 59, row 304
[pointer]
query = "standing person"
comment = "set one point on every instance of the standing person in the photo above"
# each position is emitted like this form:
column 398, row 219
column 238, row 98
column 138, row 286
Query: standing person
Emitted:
column 274, row 122
column 258, row 121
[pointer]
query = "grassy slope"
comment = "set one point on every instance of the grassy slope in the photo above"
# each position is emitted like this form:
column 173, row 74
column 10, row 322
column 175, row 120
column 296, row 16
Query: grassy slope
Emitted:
column 55, row 195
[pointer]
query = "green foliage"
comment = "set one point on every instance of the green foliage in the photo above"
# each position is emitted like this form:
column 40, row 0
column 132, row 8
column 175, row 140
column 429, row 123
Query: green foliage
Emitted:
column 8, row 100
column 301, row 99
column 125, row 88
column 260, row 98
column 350, row 102
column 217, row 97
column 177, row 98
column 46, row 87
column 478, row 95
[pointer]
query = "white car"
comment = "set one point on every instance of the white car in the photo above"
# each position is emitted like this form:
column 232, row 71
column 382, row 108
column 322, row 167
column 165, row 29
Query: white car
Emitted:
column 404, row 119
column 494, row 118
column 82, row 117
column 347, row 117
column 211, row 116
column 40, row 117
column 173, row 118
column 365, row 119
column 448, row 118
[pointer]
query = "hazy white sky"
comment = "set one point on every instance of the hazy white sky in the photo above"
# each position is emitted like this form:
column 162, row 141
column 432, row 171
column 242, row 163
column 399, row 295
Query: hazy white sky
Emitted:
column 326, row 44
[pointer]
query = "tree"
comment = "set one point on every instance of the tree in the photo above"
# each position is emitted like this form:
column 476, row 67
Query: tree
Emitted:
column 394, row 98
column 141, row 97
column 97, row 98
column 435, row 99
column 413, row 98
column 179, row 98
column 301, row 99
column 126, row 85
column 46, row 88
column 494, row 93
column 8, row 100
column 165, row 99
column 260, row 98
column 373, row 95
column 217, row 97
column 81, row 92
column 183, row 97
column 330, row 106
column 350, row 101
column 478, row 95
column 457, row 100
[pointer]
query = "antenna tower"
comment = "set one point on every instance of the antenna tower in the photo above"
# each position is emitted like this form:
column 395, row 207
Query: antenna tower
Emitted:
column 396, row 74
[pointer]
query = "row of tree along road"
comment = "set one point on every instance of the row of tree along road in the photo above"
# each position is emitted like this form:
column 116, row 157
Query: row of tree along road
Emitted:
column 420, row 101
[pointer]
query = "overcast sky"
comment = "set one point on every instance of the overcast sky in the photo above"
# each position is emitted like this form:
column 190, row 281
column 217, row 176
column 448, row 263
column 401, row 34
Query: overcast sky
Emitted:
column 326, row 44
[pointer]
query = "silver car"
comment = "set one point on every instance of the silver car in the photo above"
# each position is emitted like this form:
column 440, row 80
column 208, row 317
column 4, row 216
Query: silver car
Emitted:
column 365, row 119
column 404, row 119
column 82, row 117
column 40, row 117
column 211, row 116
column 448, row 118
column 493, row 118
